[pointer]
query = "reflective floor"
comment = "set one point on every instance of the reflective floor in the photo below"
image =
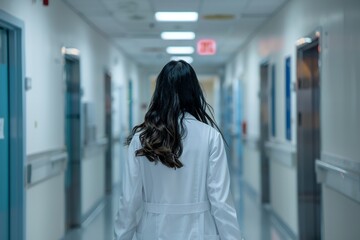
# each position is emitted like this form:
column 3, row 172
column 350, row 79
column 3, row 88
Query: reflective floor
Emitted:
column 255, row 221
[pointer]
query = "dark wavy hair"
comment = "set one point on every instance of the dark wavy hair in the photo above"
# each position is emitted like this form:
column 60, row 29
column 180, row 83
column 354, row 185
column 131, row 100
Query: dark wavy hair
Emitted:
column 177, row 91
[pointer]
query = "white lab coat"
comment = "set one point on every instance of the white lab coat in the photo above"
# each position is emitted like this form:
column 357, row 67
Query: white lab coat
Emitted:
column 190, row 203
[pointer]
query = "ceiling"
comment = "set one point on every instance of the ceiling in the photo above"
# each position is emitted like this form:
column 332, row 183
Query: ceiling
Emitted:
column 132, row 26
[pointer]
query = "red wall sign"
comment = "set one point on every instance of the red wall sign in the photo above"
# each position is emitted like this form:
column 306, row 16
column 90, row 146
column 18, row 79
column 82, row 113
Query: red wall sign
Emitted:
column 206, row 47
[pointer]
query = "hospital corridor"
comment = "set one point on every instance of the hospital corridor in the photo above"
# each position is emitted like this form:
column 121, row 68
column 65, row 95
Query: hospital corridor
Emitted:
column 281, row 76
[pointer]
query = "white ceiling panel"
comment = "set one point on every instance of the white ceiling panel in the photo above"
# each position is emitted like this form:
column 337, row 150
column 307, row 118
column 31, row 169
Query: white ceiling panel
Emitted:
column 223, row 6
column 264, row 6
column 176, row 6
column 89, row 7
column 132, row 26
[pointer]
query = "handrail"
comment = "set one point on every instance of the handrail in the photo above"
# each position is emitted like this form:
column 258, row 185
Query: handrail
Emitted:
column 116, row 139
column 334, row 172
column 285, row 147
column 94, row 148
column 327, row 166
column 45, row 165
column 251, row 142
column 98, row 143
column 283, row 153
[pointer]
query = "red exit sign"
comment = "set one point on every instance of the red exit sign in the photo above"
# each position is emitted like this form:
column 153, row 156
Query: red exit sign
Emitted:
column 206, row 47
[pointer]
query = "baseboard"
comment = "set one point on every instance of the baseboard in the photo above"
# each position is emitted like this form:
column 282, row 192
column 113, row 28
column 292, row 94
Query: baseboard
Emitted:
column 252, row 192
column 280, row 224
column 93, row 212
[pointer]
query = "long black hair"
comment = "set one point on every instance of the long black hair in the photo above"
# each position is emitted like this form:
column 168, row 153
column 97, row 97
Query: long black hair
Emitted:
column 177, row 91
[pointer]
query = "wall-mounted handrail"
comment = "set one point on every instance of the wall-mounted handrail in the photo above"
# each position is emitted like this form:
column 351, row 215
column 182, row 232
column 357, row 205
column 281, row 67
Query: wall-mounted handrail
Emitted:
column 251, row 142
column 45, row 165
column 282, row 153
column 330, row 167
column 334, row 172
column 95, row 147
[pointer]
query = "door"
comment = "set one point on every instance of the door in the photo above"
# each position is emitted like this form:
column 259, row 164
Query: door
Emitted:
column 4, row 137
column 238, row 118
column 308, row 139
column 130, row 95
column 108, row 133
column 73, row 142
column 264, row 132
column 228, row 123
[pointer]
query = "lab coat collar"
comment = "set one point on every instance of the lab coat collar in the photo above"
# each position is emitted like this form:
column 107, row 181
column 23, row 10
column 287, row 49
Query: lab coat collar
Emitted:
column 189, row 116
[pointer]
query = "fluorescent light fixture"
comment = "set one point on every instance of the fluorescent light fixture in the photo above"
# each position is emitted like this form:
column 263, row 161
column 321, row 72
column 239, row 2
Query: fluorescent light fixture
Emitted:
column 176, row 16
column 187, row 59
column 177, row 35
column 302, row 41
column 180, row 50
column 70, row 51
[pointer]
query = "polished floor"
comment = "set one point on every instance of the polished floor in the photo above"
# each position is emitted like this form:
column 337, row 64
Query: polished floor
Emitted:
column 256, row 222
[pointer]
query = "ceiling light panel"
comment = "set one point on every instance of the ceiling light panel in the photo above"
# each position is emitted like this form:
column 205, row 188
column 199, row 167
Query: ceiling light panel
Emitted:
column 176, row 16
column 180, row 50
column 178, row 35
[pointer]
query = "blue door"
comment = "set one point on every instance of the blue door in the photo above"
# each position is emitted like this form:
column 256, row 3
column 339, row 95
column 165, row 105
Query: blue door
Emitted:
column 4, row 136
column 238, row 111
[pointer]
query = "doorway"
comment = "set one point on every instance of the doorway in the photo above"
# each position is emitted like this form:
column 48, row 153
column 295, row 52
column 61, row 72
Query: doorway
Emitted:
column 264, row 132
column 73, row 141
column 308, row 137
column 12, row 135
column 108, row 134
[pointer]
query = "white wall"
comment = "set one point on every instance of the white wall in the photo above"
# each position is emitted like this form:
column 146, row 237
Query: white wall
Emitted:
column 340, row 53
column 251, row 168
column 47, row 29
column 44, row 216
column 92, row 180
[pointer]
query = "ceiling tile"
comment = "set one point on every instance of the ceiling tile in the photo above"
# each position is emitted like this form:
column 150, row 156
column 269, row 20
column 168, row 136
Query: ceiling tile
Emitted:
column 178, row 6
column 131, row 24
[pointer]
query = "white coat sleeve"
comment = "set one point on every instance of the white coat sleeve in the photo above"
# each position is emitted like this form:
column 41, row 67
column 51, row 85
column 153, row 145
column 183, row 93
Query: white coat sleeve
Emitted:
column 218, row 186
column 131, row 196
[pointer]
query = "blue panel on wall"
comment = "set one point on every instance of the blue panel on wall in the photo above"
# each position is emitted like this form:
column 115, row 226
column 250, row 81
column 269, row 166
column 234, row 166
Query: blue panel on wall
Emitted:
column 130, row 94
column 4, row 153
column 273, row 100
column 288, row 97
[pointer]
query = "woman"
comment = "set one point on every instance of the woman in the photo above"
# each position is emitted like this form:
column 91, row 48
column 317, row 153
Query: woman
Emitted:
column 176, row 178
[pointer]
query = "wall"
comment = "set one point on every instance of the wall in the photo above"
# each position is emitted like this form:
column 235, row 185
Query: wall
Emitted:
column 47, row 29
column 41, row 209
column 274, row 41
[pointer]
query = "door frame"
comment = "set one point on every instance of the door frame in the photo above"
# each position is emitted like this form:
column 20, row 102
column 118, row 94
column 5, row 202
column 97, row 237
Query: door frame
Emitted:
column 17, row 136
column 108, row 131
column 73, row 196
column 303, row 44
column 264, row 158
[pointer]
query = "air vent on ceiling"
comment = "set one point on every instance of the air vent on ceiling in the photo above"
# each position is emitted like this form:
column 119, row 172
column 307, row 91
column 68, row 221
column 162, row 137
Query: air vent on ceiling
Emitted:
column 136, row 17
column 128, row 6
column 219, row 17
column 141, row 35
column 254, row 15
column 153, row 49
